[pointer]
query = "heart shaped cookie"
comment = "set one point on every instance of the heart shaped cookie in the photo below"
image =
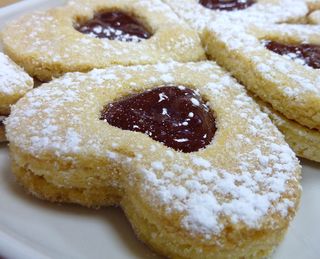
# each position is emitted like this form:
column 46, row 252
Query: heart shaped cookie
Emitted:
column 181, row 148
column 203, row 13
column 84, row 34
column 279, row 63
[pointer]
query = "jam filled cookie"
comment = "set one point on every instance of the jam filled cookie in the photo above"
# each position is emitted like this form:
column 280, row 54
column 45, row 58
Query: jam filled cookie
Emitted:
column 304, row 142
column 278, row 63
column 14, row 83
column 95, row 34
column 200, row 13
column 199, row 170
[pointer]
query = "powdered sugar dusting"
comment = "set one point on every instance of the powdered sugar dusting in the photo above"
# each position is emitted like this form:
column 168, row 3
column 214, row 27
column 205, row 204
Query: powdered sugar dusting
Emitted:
column 248, row 177
column 263, row 11
column 52, row 36
column 309, row 139
column 119, row 34
column 245, row 194
column 297, row 83
column 13, row 80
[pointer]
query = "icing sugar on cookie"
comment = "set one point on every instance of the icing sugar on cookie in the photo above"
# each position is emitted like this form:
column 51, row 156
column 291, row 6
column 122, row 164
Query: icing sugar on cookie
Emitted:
column 305, row 142
column 14, row 83
column 83, row 35
column 291, row 87
column 244, row 181
column 280, row 64
column 200, row 14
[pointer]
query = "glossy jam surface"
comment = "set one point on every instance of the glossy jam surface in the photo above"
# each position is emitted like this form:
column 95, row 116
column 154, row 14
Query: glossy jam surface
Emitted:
column 227, row 5
column 173, row 115
column 308, row 53
column 114, row 26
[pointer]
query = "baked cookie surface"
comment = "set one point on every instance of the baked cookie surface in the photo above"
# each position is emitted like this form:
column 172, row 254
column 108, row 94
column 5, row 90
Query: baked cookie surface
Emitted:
column 304, row 141
column 234, row 197
column 200, row 14
column 279, row 63
column 49, row 44
column 14, row 83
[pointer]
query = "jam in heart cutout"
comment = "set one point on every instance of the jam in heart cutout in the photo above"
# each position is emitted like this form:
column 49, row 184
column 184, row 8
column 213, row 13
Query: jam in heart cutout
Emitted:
column 173, row 115
column 226, row 5
column 309, row 54
column 114, row 26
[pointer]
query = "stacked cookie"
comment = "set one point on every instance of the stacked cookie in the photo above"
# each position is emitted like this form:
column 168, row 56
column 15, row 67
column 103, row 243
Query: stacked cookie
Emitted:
column 199, row 170
column 181, row 147
column 14, row 83
column 280, row 65
column 204, row 13
column 50, row 44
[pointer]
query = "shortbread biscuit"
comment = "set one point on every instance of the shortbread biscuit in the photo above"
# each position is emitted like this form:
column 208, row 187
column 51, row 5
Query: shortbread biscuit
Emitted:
column 49, row 44
column 304, row 142
column 91, row 197
column 14, row 83
column 200, row 14
column 199, row 170
column 289, row 82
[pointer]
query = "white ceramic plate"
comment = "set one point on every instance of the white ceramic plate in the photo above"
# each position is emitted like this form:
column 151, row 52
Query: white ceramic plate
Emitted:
column 30, row 228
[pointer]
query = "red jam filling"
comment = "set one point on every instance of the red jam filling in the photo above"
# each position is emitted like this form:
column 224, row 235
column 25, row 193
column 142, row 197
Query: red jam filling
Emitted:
column 227, row 5
column 173, row 115
column 309, row 53
column 114, row 26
